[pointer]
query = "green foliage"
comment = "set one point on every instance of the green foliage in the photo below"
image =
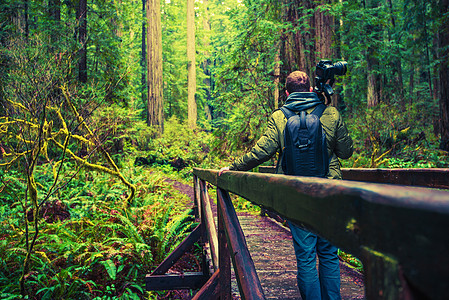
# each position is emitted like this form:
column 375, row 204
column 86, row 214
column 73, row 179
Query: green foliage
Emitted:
column 385, row 136
column 399, row 37
column 245, row 49
column 121, row 129
column 353, row 261
column 89, row 247
column 180, row 148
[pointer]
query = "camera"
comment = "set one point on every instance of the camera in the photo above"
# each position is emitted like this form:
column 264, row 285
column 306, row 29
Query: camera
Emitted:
column 325, row 72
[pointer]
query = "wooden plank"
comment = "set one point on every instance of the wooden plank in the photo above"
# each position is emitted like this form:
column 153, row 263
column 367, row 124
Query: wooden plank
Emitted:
column 207, row 175
column 428, row 177
column 407, row 223
column 224, row 259
column 196, row 197
column 209, row 223
column 245, row 272
column 425, row 177
column 188, row 280
column 210, row 289
column 169, row 261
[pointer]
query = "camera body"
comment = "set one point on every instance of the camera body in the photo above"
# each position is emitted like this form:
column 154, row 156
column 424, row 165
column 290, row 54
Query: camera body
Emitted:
column 325, row 76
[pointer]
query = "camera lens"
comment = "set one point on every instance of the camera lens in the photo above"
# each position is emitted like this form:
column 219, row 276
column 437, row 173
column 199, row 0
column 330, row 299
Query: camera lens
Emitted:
column 340, row 68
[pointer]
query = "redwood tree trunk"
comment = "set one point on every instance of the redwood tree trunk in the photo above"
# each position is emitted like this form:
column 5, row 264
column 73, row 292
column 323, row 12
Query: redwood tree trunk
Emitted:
column 374, row 79
column 27, row 24
column 396, row 63
column 82, row 34
column 208, row 79
column 277, row 73
column 444, row 76
column 191, row 65
column 54, row 12
column 312, row 42
column 154, row 65
column 143, row 56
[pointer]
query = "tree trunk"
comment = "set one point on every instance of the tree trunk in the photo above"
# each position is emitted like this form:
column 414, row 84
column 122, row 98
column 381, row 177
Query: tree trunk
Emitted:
column 143, row 55
column 396, row 64
column 154, row 65
column 444, row 75
column 54, row 10
column 19, row 19
column 82, row 34
column 191, row 86
column 277, row 73
column 374, row 80
column 208, row 80
column 324, row 23
column 27, row 24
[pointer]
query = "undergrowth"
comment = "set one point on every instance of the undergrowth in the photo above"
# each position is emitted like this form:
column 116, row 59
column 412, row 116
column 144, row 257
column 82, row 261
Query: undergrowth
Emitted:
column 387, row 136
column 88, row 246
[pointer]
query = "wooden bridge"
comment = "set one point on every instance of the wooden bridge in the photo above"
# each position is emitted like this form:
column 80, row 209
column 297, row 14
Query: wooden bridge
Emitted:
column 399, row 232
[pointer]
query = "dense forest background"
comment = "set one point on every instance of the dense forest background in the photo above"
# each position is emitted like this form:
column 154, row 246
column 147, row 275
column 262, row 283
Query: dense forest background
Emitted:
column 102, row 102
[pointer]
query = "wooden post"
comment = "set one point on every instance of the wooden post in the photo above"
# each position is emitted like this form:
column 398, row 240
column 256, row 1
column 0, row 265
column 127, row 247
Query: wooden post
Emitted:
column 224, row 258
column 384, row 278
column 209, row 223
column 196, row 197
column 245, row 272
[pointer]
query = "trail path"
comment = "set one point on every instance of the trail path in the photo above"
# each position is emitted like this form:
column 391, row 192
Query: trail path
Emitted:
column 271, row 248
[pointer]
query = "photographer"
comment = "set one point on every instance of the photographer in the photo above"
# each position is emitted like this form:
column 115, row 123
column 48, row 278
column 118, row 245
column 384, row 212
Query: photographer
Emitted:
column 307, row 245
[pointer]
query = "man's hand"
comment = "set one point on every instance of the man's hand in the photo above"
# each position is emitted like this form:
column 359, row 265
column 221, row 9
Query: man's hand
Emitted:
column 223, row 170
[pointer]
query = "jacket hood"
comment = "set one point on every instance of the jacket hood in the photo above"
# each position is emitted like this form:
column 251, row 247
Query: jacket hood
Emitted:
column 299, row 101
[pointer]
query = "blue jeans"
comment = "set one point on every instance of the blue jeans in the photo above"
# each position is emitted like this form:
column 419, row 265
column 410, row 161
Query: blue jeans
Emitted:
column 311, row 286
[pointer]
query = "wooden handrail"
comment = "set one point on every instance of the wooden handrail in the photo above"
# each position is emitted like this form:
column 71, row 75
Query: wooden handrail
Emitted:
column 425, row 177
column 428, row 177
column 400, row 233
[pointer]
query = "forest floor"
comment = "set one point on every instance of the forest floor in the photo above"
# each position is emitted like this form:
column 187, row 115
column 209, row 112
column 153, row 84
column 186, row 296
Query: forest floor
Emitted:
column 271, row 249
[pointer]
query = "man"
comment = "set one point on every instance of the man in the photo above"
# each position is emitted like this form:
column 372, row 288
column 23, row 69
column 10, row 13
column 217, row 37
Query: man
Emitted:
column 339, row 145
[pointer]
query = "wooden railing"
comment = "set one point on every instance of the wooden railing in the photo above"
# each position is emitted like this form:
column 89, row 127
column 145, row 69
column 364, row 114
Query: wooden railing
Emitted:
column 426, row 177
column 399, row 232
column 225, row 244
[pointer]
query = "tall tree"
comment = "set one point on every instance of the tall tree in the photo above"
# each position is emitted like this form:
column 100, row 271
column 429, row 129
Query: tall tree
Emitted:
column 143, row 55
column 154, row 65
column 374, row 79
column 82, row 36
column 444, row 75
column 396, row 55
column 206, row 63
column 277, row 73
column 26, row 21
column 54, row 10
column 191, row 65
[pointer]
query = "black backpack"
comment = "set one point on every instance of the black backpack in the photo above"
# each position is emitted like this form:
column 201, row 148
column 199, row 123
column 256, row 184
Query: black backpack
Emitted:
column 305, row 148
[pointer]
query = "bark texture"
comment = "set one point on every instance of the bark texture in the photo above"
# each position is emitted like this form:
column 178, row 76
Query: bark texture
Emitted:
column 154, row 65
column 191, row 85
column 444, row 76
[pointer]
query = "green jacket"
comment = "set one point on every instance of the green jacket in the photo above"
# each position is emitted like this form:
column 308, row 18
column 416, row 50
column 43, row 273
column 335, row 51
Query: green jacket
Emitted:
column 339, row 143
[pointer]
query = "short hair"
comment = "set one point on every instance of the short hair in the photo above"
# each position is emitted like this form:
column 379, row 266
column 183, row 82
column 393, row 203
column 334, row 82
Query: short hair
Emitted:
column 297, row 81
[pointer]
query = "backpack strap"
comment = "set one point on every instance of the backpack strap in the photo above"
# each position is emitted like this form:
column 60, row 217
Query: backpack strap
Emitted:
column 287, row 112
column 319, row 109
